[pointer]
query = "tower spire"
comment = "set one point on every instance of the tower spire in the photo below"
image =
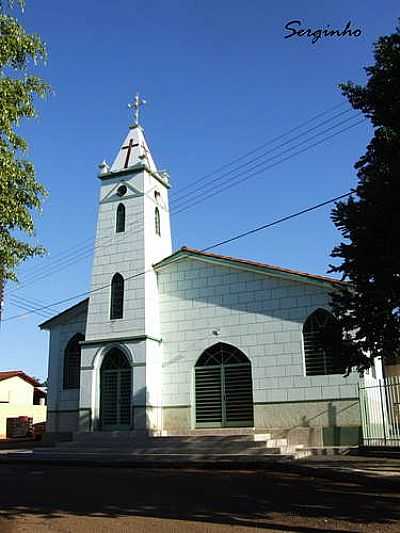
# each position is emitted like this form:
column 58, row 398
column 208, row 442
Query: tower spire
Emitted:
column 135, row 105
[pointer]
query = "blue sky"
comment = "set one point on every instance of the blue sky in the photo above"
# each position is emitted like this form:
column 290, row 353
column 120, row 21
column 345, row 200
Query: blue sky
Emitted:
column 220, row 79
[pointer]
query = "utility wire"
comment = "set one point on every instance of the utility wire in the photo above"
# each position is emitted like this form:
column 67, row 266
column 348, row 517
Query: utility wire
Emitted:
column 260, row 156
column 27, row 302
column 259, row 147
column 83, row 254
column 78, row 252
column 247, row 177
column 220, row 243
column 278, row 221
column 226, row 187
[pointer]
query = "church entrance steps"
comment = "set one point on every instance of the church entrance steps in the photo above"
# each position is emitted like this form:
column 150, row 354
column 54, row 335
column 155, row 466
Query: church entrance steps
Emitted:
column 210, row 444
column 210, row 432
column 72, row 457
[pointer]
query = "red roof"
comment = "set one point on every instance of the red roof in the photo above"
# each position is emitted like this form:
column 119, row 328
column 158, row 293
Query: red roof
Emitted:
column 19, row 374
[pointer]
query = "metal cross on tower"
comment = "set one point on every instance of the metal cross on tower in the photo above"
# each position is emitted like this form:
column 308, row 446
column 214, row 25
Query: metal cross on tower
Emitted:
column 135, row 105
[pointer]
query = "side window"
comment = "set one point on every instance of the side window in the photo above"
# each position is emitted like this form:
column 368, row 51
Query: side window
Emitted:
column 117, row 297
column 157, row 221
column 321, row 337
column 120, row 219
column 72, row 362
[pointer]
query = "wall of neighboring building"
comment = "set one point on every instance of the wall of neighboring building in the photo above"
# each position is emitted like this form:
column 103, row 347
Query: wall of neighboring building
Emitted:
column 16, row 391
column 263, row 316
column 62, row 404
column 36, row 412
column 16, row 399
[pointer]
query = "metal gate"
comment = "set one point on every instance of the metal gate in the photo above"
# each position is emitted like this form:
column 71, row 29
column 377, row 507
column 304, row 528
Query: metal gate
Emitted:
column 380, row 411
column 223, row 391
column 115, row 392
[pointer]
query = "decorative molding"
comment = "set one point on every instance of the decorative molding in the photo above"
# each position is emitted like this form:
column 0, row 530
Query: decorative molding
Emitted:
column 323, row 400
column 121, row 339
column 134, row 170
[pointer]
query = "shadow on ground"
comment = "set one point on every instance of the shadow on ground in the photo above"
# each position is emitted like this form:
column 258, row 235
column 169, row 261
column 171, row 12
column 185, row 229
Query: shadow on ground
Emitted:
column 268, row 500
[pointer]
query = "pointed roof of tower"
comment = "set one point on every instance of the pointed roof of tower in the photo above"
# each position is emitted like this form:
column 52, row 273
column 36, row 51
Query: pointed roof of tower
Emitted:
column 134, row 151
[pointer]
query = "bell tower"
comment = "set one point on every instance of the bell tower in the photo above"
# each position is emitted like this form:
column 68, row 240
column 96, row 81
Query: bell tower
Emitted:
column 133, row 233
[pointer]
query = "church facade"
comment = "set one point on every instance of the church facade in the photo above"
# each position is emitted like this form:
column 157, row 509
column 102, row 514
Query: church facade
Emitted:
column 171, row 342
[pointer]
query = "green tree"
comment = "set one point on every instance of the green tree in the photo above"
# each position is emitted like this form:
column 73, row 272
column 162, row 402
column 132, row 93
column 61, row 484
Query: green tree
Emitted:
column 20, row 192
column 368, row 310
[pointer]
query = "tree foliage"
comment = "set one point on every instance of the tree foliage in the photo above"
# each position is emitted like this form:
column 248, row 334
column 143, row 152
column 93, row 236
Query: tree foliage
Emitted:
column 368, row 309
column 20, row 192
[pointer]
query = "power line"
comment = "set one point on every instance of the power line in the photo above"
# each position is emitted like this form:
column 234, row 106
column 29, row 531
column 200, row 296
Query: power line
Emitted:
column 62, row 264
column 260, row 156
column 237, row 181
column 27, row 302
column 259, row 147
column 247, row 177
column 231, row 239
column 278, row 221
column 78, row 252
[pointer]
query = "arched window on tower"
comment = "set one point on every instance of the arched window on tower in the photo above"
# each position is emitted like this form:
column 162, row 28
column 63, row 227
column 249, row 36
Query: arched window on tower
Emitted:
column 117, row 297
column 322, row 340
column 72, row 362
column 120, row 220
column 157, row 221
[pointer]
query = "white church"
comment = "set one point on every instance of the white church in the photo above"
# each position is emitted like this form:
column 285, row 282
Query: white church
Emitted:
column 176, row 342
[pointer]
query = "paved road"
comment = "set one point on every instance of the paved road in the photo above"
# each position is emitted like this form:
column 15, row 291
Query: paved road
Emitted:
column 38, row 498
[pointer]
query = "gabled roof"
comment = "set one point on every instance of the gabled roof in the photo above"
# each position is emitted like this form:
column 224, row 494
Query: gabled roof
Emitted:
column 18, row 374
column 80, row 306
column 246, row 264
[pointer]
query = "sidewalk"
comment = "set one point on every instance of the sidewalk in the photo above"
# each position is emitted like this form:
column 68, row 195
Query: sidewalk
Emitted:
column 345, row 467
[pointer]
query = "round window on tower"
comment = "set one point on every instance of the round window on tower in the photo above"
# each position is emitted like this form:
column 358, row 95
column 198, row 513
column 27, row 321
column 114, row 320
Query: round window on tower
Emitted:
column 121, row 190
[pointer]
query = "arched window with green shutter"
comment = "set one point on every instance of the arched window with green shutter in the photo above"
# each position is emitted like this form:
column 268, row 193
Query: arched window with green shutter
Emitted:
column 72, row 362
column 322, row 339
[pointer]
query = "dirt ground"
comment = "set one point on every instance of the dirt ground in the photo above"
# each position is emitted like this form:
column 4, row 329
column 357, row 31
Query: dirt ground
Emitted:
column 36, row 498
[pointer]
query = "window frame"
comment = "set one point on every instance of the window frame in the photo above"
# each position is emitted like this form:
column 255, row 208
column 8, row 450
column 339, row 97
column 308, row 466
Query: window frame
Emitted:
column 117, row 299
column 157, row 221
column 71, row 378
column 120, row 218
column 327, row 364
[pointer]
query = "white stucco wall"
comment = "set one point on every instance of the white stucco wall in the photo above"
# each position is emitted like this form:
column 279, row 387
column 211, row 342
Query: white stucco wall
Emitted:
column 60, row 400
column 128, row 253
column 16, row 391
column 261, row 315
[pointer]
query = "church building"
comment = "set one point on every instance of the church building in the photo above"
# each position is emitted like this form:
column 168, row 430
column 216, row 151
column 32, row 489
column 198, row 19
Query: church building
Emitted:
column 176, row 342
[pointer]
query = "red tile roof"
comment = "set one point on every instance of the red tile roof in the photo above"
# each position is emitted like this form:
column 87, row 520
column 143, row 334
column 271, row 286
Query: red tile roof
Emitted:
column 20, row 374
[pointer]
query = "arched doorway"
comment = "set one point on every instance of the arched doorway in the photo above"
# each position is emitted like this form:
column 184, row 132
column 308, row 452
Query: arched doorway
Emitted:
column 115, row 391
column 223, row 388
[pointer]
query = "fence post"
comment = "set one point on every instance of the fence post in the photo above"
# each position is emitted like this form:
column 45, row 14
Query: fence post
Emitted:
column 383, row 412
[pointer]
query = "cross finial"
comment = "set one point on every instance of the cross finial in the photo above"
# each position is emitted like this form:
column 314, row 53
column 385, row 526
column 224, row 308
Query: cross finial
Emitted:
column 135, row 105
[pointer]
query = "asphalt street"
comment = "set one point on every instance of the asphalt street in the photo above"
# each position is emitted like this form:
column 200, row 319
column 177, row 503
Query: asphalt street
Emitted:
column 107, row 499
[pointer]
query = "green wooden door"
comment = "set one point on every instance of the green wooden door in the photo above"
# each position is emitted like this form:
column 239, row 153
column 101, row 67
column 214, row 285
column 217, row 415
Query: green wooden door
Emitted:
column 115, row 392
column 223, row 388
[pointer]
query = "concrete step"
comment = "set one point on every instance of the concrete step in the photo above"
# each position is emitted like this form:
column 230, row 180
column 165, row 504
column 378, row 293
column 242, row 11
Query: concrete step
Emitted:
column 140, row 435
column 170, row 444
column 99, row 458
column 211, row 432
column 139, row 444
column 212, row 440
column 205, row 452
